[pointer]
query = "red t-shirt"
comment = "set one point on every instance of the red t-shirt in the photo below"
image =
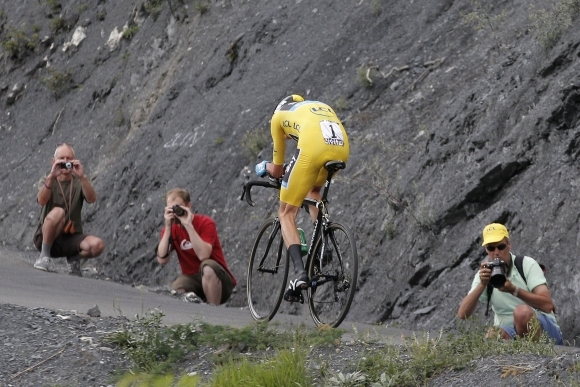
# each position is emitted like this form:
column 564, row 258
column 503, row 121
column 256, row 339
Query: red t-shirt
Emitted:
column 188, row 260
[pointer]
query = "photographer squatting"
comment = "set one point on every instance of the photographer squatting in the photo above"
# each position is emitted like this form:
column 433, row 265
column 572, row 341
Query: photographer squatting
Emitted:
column 517, row 302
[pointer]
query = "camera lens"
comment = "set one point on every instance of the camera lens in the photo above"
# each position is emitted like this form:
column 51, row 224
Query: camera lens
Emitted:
column 498, row 277
column 177, row 210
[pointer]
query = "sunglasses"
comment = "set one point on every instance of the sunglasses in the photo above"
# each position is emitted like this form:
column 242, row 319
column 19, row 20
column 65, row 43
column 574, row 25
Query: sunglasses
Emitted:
column 500, row 247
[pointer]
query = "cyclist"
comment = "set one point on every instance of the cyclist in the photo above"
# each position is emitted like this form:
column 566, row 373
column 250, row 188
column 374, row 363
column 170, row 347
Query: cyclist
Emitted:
column 321, row 138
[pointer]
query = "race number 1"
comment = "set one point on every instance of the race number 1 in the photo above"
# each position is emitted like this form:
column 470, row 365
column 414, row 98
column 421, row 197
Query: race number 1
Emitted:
column 332, row 133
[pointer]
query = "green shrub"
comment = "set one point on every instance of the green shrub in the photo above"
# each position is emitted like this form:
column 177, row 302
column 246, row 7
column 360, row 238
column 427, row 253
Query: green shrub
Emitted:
column 130, row 32
column 82, row 8
column 119, row 119
column 201, row 6
column 152, row 347
column 550, row 25
column 54, row 5
column 341, row 103
column 376, row 7
column 57, row 82
column 254, row 142
column 19, row 42
column 57, row 25
column 480, row 18
column 423, row 357
column 365, row 76
column 153, row 7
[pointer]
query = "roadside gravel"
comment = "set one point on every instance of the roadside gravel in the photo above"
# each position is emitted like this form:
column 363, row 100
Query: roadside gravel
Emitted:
column 42, row 347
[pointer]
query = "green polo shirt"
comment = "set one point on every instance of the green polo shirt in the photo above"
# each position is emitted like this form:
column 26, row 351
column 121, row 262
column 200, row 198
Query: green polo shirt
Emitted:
column 503, row 304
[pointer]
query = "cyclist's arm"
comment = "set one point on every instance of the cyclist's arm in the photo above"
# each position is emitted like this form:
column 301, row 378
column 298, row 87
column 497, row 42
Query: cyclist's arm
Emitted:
column 279, row 139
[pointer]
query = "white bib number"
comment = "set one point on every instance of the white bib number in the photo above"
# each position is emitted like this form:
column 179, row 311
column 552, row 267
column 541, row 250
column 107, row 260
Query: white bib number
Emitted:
column 332, row 133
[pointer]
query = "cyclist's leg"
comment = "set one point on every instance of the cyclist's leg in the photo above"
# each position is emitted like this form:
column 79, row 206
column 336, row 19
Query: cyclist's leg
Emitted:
column 298, row 181
column 287, row 216
column 314, row 194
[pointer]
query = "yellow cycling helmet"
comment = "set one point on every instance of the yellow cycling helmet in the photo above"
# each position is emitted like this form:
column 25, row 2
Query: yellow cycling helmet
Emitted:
column 291, row 99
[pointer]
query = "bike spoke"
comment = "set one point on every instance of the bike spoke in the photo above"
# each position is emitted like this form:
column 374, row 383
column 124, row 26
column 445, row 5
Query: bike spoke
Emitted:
column 333, row 290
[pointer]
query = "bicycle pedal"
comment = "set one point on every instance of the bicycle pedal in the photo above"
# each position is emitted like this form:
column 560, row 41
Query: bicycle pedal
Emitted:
column 290, row 296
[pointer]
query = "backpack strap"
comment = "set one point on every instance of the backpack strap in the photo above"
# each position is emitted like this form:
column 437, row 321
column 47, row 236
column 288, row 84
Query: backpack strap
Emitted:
column 519, row 264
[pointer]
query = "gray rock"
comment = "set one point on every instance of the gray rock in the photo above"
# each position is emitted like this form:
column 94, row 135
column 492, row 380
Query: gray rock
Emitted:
column 94, row 311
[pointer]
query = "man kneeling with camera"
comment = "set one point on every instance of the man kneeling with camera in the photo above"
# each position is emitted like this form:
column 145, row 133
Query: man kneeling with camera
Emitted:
column 194, row 237
column 519, row 296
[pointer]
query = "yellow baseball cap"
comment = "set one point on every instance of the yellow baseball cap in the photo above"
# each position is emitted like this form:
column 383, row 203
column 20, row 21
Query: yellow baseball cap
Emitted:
column 493, row 233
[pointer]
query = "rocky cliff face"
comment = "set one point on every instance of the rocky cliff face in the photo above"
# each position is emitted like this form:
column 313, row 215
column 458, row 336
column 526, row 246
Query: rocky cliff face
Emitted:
column 451, row 128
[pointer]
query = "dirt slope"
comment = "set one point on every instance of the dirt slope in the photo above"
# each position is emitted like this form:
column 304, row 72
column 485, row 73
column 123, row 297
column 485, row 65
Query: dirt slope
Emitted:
column 457, row 128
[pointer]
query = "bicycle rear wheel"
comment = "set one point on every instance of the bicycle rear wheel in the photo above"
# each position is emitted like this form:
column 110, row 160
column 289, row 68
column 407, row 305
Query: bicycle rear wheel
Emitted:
column 267, row 272
column 334, row 274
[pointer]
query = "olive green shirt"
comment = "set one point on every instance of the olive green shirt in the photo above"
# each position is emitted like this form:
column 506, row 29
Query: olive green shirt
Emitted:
column 57, row 200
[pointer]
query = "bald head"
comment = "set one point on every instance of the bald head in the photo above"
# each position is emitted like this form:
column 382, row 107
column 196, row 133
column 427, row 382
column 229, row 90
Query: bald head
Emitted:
column 64, row 148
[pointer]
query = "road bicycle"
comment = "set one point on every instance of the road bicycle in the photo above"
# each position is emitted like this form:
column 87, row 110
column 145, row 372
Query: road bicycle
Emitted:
column 331, row 263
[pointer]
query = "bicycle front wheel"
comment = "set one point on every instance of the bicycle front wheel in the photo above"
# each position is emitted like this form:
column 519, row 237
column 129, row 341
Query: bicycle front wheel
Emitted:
column 267, row 272
column 334, row 273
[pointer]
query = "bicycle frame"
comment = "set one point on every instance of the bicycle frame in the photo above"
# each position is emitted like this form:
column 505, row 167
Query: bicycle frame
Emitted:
column 322, row 219
column 271, row 238
column 328, row 304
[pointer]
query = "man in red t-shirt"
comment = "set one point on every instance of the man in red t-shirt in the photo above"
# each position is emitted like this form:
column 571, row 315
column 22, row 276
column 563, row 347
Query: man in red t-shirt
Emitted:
column 194, row 237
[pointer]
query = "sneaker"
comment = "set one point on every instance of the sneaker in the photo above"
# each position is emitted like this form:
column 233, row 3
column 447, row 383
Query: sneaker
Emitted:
column 191, row 297
column 42, row 263
column 295, row 287
column 74, row 267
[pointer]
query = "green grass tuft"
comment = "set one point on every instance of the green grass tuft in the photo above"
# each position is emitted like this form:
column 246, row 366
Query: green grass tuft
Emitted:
column 286, row 369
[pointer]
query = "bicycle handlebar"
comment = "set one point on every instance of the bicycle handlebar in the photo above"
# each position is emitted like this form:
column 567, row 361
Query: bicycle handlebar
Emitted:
column 246, row 191
column 331, row 166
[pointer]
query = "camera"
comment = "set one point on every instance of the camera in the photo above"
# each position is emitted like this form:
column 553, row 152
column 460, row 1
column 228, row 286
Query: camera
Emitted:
column 66, row 165
column 177, row 210
column 498, row 276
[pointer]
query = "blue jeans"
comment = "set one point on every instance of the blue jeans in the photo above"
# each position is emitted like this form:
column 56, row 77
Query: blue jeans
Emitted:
column 547, row 325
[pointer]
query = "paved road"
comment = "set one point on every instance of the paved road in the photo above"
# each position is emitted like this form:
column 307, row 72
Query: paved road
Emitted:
column 21, row 284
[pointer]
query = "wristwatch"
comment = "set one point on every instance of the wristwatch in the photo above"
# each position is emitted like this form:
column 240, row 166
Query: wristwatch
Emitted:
column 515, row 293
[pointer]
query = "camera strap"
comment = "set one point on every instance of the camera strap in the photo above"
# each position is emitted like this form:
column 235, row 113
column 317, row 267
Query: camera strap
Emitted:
column 69, row 204
column 519, row 264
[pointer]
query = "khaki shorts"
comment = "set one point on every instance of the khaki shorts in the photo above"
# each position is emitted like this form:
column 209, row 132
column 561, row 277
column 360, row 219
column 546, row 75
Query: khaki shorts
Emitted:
column 192, row 283
column 65, row 245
